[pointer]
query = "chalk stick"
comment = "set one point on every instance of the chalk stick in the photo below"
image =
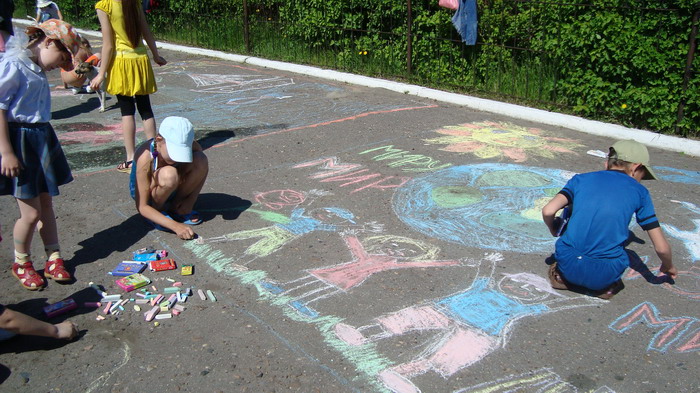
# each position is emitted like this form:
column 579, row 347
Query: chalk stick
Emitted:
column 211, row 295
column 164, row 316
column 111, row 298
column 201, row 294
column 177, row 284
column 107, row 308
column 170, row 279
column 175, row 312
column 150, row 314
column 179, row 307
column 597, row 153
column 100, row 318
column 170, row 290
column 92, row 304
column 143, row 295
column 164, row 308
column 114, row 307
column 141, row 301
column 136, row 307
column 97, row 289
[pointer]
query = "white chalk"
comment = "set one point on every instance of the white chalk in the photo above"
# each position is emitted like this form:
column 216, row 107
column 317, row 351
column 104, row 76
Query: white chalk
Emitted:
column 164, row 316
column 597, row 153
column 201, row 294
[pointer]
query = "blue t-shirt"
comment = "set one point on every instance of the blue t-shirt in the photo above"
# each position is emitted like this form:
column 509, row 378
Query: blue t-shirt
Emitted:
column 602, row 207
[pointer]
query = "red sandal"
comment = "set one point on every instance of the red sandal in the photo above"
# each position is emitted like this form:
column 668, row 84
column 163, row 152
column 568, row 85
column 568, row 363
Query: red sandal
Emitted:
column 56, row 271
column 27, row 276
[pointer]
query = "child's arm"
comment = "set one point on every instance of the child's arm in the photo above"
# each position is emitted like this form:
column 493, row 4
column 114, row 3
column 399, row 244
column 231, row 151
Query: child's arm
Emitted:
column 550, row 210
column 148, row 36
column 9, row 164
column 58, row 11
column 663, row 250
column 107, row 49
column 19, row 323
column 143, row 195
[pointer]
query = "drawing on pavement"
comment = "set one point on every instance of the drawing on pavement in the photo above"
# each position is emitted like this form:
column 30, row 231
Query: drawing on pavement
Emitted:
column 350, row 174
column 671, row 330
column 405, row 159
column 491, row 206
column 372, row 255
column 687, row 284
column 471, row 324
column 677, row 175
column 691, row 238
column 490, row 139
column 542, row 380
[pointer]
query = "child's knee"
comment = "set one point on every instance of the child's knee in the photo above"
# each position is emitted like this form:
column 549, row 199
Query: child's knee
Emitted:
column 200, row 162
column 167, row 177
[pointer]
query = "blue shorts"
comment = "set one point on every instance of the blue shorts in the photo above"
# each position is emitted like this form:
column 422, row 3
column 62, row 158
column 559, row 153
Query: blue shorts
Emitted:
column 591, row 273
column 132, row 185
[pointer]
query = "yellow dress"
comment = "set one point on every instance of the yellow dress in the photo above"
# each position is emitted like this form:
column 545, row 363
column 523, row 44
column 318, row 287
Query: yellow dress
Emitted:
column 130, row 73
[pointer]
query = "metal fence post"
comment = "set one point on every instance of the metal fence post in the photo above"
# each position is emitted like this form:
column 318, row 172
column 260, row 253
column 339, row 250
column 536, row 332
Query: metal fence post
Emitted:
column 246, row 26
column 692, row 45
column 409, row 48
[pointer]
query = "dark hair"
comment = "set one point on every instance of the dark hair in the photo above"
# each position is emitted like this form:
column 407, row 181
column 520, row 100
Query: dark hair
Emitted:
column 613, row 161
column 132, row 16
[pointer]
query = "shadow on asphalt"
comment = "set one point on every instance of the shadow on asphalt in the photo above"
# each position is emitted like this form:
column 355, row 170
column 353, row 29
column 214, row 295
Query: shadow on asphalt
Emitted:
column 88, row 106
column 101, row 245
column 229, row 207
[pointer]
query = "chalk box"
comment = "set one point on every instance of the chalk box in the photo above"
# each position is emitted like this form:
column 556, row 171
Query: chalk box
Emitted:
column 163, row 264
column 127, row 268
column 134, row 281
column 59, row 308
column 187, row 270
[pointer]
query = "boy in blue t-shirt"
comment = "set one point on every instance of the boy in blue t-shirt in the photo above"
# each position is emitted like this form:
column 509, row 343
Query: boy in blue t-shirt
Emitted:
column 590, row 253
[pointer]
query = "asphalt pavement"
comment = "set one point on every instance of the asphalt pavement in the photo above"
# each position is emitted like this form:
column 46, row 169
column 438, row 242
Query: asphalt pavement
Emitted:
column 355, row 240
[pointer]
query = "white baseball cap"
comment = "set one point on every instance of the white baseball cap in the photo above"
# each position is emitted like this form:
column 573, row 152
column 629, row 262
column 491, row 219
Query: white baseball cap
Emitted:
column 178, row 133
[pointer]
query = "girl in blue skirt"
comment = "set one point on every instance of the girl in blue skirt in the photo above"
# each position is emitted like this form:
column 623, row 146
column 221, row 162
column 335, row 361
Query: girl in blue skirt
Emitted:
column 32, row 163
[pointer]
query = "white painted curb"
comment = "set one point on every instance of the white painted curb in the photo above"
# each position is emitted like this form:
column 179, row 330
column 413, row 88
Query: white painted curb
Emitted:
column 649, row 138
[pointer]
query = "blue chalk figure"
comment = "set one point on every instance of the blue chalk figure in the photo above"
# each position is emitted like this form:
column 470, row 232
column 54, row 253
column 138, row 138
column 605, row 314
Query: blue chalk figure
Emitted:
column 273, row 238
column 474, row 322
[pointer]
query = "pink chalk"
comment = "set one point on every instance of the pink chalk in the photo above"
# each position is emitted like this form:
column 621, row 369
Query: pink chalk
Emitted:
column 149, row 315
column 201, row 294
column 106, row 309
column 175, row 312
column 177, row 284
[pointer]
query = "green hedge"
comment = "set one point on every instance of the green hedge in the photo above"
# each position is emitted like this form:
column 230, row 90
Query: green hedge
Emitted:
column 614, row 60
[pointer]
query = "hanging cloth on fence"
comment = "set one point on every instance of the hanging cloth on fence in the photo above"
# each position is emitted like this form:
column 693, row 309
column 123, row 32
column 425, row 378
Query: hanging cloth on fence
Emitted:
column 464, row 21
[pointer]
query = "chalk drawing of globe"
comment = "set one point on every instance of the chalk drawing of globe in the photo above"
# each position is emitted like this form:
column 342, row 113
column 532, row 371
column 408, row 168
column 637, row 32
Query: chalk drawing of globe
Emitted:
column 492, row 206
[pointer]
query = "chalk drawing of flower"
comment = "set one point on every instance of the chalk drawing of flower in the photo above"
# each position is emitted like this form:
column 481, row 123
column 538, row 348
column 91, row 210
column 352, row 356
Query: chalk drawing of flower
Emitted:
column 500, row 139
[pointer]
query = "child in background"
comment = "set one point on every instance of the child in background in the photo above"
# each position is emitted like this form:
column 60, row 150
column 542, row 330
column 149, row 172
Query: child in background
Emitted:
column 32, row 163
column 46, row 10
column 126, row 66
column 167, row 176
column 73, row 80
column 590, row 253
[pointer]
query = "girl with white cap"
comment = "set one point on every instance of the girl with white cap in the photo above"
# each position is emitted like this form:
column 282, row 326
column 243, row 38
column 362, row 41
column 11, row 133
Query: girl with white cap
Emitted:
column 167, row 176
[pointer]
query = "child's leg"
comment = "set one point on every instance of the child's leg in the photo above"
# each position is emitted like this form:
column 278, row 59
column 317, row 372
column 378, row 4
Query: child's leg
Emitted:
column 22, row 268
column 143, row 103
column 129, row 132
column 127, row 106
column 49, row 235
column 193, row 178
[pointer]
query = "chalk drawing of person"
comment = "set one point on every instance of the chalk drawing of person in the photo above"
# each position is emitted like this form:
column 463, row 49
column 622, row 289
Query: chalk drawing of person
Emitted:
column 273, row 238
column 690, row 239
column 474, row 323
column 374, row 255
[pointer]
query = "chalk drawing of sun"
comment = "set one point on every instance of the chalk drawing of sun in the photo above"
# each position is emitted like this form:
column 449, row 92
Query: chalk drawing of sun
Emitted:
column 499, row 139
